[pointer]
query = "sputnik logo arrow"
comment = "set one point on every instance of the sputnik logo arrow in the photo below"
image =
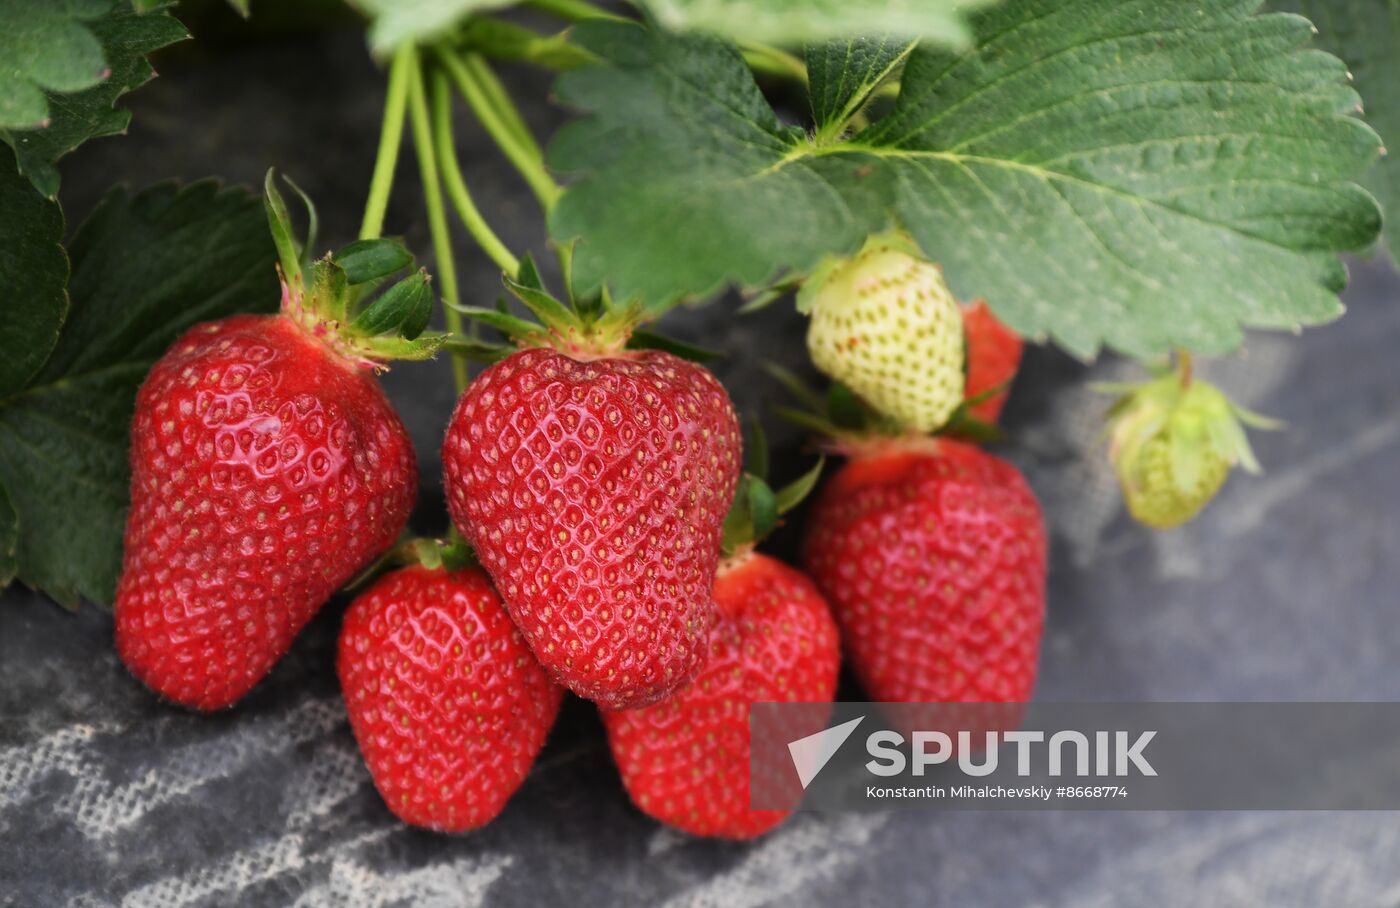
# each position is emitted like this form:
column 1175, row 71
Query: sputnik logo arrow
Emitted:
column 811, row 753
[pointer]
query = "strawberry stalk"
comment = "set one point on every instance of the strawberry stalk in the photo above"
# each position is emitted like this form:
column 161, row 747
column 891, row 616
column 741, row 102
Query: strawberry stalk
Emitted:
column 761, row 58
column 502, row 122
column 437, row 215
column 456, row 186
column 390, row 140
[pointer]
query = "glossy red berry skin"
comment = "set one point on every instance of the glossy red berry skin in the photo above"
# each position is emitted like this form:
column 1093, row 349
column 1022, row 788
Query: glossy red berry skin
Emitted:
column 993, row 356
column 932, row 555
column 447, row 703
column 266, row 471
column 594, row 492
column 685, row 760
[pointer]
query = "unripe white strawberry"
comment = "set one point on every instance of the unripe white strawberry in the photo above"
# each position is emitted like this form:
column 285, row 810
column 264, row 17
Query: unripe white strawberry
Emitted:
column 1174, row 440
column 885, row 324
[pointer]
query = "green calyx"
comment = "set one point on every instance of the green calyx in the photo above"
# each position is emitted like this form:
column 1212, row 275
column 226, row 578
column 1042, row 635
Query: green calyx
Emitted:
column 832, row 267
column 597, row 328
column 334, row 298
column 757, row 507
column 843, row 419
column 450, row 554
column 1173, row 441
column 585, row 328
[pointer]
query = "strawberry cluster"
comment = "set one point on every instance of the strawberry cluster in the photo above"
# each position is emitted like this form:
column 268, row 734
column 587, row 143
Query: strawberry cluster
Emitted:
column 604, row 543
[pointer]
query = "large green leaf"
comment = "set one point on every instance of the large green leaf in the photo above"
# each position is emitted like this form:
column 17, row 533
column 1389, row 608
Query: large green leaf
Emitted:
column 1133, row 173
column 46, row 47
column 33, row 276
column 1366, row 34
column 9, row 540
column 799, row 21
column 125, row 37
column 145, row 268
column 843, row 74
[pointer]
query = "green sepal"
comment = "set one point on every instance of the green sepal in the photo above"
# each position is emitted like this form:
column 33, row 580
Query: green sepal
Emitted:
column 328, row 297
column 279, row 221
column 795, row 386
column 756, row 452
column 795, row 492
column 313, row 223
column 763, row 508
column 365, row 261
column 812, row 286
column 838, row 414
column 846, row 409
column 757, row 508
column 969, row 428
column 450, row 554
column 553, row 314
column 383, row 349
column 477, row 350
column 529, row 274
column 1198, row 425
column 403, row 310
column 649, row 340
column 509, row 325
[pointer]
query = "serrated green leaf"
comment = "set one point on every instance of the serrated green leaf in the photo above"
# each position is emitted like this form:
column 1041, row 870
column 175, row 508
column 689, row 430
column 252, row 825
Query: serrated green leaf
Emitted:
column 9, row 540
column 370, row 260
column 47, row 47
column 145, row 268
column 1130, row 173
column 1366, row 34
column 844, row 73
column 397, row 22
column 125, row 37
column 794, row 22
column 33, row 277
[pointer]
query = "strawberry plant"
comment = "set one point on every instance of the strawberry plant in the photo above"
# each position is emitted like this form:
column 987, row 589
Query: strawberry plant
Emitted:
column 192, row 429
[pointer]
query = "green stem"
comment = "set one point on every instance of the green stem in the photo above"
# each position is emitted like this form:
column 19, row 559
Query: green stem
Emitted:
column 527, row 160
column 1184, row 366
column 763, row 58
column 390, row 139
column 457, row 192
column 501, row 40
column 437, row 216
column 574, row 10
column 773, row 61
column 500, row 100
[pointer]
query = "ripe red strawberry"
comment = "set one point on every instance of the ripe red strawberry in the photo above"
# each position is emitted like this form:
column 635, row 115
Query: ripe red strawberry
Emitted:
column 932, row 555
column 593, row 491
column 266, row 470
column 447, row 703
column 993, row 356
column 685, row 760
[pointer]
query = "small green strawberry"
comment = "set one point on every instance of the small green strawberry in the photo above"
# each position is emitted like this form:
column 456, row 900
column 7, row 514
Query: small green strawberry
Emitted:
column 1174, row 439
column 885, row 324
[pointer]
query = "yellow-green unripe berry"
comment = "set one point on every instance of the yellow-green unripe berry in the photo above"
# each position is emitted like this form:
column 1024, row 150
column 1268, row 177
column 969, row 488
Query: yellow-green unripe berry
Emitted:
column 885, row 324
column 1174, row 441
